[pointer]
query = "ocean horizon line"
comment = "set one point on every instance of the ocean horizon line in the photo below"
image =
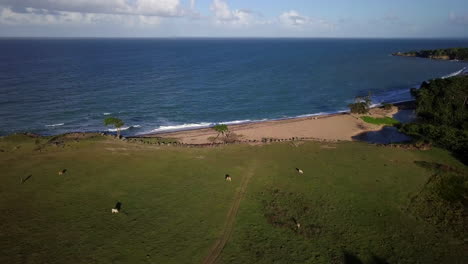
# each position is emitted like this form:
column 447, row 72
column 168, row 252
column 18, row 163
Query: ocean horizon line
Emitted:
column 232, row 37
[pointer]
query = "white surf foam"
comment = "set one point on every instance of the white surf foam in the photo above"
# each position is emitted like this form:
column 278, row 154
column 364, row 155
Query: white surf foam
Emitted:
column 320, row 114
column 123, row 128
column 190, row 126
column 462, row 71
column 236, row 122
column 55, row 125
column 106, row 114
column 181, row 127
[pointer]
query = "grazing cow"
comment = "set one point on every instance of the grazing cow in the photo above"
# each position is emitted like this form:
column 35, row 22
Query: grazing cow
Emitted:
column 117, row 208
column 297, row 223
column 299, row 171
column 227, row 177
column 62, row 172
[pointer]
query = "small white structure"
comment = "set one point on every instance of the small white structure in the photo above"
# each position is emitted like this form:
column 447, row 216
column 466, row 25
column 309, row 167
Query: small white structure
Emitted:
column 115, row 211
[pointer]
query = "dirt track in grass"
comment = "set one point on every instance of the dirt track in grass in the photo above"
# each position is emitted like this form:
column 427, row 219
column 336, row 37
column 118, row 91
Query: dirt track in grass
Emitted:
column 220, row 243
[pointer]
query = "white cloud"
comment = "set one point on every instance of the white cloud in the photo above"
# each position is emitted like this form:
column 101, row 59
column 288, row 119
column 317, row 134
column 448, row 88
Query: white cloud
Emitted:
column 116, row 7
column 119, row 12
column 292, row 19
column 221, row 10
column 224, row 15
column 33, row 16
column 157, row 7
column 457, row 19
column 114, row 14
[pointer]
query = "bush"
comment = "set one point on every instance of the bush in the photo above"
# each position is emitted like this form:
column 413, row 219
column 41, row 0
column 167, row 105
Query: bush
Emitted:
column 387, row 106
column 358, row 108
column 361, row 104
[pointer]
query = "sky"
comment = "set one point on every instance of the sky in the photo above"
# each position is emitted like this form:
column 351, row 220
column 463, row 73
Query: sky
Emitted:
column 235, row 18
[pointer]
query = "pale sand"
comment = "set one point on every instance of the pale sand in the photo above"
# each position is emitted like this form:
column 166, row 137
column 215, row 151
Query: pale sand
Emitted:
column 326, row 128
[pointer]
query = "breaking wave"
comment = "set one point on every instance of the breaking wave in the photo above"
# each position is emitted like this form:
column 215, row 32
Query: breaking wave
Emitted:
column 123, row 128
column 55, row 125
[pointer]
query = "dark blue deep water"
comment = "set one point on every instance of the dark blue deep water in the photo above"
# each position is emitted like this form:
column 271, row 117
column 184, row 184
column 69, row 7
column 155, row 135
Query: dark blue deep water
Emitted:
column 51, row 86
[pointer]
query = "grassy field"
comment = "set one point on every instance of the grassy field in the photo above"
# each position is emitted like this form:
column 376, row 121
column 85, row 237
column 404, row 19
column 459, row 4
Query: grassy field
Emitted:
column 388, row 121
column 355, row 203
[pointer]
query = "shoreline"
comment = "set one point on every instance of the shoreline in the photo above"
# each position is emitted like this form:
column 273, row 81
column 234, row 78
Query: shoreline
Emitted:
column 341, row 126
column 247, row 122
column 330, row 127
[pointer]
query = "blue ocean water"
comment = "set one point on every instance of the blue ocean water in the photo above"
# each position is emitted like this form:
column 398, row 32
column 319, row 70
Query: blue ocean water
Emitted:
column 51, row 86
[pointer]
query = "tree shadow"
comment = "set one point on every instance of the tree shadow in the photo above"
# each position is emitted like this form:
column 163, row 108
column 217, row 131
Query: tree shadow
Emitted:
column 378, row 260
column 349, row 258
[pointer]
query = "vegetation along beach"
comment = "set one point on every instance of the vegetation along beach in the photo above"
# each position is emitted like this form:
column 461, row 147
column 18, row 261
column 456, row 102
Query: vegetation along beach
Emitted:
column 233, row 132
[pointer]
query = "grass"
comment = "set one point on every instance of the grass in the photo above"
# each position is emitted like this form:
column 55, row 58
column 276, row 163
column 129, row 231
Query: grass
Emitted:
column 387, row 121
column 354, row 201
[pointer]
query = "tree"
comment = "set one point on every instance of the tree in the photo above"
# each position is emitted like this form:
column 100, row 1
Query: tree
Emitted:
column 361, row 104
column 221, row 129
column 117, row 123
column 442, row 109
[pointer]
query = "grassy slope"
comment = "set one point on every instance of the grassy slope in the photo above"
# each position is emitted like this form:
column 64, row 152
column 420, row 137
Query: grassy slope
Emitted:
column 175, row 201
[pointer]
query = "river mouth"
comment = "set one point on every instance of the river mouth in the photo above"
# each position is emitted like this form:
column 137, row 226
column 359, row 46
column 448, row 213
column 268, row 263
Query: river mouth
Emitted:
column 389, row 134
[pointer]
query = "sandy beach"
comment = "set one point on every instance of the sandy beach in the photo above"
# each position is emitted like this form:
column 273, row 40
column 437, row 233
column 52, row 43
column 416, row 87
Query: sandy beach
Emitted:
column 336, row 127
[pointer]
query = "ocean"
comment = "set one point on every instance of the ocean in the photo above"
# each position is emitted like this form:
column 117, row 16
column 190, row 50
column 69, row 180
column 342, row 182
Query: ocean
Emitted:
column 53, row 86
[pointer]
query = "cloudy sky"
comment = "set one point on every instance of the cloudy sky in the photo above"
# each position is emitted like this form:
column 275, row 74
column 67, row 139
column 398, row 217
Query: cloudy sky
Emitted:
column 234, row 18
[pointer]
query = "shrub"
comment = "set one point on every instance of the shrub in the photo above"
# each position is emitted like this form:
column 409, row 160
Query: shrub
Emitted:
column 386, row 106
column 358, row 108
column 361, row 105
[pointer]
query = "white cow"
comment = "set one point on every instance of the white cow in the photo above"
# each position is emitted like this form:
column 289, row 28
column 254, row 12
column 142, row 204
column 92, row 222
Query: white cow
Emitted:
column 227, row 177
column 300, row 171
column 115, row 211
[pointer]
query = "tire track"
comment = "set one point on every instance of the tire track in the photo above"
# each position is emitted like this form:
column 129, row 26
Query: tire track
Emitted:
column 220, row 243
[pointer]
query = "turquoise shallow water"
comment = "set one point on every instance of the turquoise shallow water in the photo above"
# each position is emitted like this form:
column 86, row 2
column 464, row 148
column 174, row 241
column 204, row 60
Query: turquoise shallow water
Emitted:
column 51, row 86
